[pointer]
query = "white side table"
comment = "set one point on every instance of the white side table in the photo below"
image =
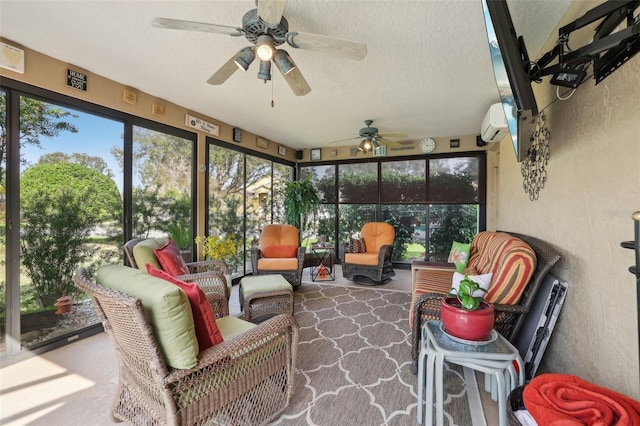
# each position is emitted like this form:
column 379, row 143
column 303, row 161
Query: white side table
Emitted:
column 495, row 359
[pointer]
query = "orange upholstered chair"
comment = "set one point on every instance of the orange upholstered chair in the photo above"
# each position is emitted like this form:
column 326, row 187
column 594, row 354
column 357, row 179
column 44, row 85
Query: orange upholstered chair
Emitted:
column 368, row 259
column 279, row 252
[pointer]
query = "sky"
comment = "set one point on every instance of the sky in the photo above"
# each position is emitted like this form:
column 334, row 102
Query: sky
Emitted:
column 96, row 136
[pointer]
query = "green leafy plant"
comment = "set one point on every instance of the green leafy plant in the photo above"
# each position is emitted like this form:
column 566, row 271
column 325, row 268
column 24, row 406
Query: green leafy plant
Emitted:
column 301, row 203
column 465, row 292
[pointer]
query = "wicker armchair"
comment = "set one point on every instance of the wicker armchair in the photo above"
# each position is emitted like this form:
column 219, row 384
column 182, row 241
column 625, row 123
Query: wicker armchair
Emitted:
column 245, row 380
column 508, row 317
column 212, row 276
column 374, row 266
column 279, row 252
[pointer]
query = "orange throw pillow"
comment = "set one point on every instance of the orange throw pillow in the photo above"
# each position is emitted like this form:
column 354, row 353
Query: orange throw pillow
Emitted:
column 280, row 251
column 170, row 259
column 204, row 321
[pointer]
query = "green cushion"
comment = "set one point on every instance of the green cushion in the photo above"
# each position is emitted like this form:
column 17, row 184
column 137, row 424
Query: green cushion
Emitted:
column 167, row 307
column 231, row 326
column 274, row 282
column 143, row 253
column 459, row 255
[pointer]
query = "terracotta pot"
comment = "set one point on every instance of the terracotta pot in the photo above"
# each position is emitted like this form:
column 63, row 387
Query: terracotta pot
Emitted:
column 63, row 304
column 468, row 325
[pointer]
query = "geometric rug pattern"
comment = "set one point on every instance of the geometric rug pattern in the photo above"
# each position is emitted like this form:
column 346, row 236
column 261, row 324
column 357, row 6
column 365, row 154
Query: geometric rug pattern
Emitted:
column 354, row 358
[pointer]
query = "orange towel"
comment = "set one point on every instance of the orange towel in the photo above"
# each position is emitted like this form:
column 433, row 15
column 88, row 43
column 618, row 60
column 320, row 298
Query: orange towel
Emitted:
column 563, row 400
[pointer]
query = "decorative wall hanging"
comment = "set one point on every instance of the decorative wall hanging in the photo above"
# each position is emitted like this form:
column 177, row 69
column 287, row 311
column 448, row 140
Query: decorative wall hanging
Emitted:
column 534, row 167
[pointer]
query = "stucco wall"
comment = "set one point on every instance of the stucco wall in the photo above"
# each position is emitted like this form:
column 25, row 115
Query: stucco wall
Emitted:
column 584, row 209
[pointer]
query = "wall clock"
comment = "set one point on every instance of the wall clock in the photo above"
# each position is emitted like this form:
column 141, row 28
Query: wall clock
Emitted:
column 427, row 145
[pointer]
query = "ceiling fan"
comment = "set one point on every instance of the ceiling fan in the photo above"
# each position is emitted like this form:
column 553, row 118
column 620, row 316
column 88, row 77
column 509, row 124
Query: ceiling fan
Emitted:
column 372, row 138
column 266, row 28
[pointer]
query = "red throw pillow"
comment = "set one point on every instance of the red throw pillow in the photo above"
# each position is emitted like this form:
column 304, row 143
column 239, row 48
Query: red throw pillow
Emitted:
column 170, row 259
column 280, row 251
column 204, row 321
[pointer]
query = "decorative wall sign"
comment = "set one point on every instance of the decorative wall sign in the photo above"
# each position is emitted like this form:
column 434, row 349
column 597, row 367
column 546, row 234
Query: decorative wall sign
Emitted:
column 196, row 123
column 534, row 167
column 237, row 135
column 380, row 151
column 11, row 58
column 262, row 143
column 316, row 154
column 129, row 97
column 282, row 150
column 77, row 80
column 353, row 151
column 157, row 110
column 454, row 143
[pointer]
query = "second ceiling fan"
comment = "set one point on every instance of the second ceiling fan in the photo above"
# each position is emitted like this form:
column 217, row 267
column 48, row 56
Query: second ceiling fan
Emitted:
column 266, row 29
column 372, row 138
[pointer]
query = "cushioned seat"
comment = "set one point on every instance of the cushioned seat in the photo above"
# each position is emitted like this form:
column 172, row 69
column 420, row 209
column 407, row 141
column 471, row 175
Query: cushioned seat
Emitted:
column 279, row 253
column 370, row 264
column 245, row 378
column 265, row 295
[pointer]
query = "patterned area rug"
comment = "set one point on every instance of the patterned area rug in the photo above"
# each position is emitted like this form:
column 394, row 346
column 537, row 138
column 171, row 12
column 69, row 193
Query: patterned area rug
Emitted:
column 354, row 358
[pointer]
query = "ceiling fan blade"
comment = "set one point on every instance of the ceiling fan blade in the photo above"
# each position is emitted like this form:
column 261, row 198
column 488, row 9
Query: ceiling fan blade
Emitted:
column 177, row 24
column 271, row 10
column 392, row 134
column 225, row 71
column 345, row 140
column 296, row 81
column 319, row 43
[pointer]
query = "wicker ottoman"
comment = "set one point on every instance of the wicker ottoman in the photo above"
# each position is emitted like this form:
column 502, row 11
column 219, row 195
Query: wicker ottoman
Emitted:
column 265, row 295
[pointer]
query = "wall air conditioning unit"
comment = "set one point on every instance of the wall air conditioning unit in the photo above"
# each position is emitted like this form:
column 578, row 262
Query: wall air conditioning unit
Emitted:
column 494, row 125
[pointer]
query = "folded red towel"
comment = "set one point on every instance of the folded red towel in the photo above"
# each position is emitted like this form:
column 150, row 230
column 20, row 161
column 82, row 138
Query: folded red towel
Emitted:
column 563, row 400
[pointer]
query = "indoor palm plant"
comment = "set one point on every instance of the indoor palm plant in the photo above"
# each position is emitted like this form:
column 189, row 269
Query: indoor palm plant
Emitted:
column 464, row 312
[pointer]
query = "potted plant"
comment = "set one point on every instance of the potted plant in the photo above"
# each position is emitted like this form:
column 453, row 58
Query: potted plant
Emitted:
column 301, row 203
column 464, row 312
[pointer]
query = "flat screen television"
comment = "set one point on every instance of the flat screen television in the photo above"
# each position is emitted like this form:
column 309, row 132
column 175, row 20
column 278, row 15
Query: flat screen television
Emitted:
column 510, row 63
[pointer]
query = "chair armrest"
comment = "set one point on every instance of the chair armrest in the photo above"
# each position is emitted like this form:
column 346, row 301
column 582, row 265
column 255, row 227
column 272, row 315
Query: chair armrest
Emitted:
column 256, row 254
column 209, row 265
column 385, row 252
column 343, row 249
column 214, row 286
column 438, row 267
column 254, row 346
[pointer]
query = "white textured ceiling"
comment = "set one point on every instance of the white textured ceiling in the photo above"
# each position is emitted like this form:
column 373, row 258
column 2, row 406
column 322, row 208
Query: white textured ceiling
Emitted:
column 427, row 72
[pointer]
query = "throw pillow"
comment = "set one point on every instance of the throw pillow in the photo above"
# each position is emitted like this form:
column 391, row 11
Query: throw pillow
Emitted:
column 170, row 259
column 279, row 251
column 204, row 320
column 167, row 307
column 459, row 255
column 484, row 281
column 356, row 245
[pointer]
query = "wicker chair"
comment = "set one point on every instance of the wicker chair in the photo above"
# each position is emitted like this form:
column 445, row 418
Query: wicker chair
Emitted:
column 373, row 267
column 245, row 380
column 280, row 253
column 508, row 318
column 212, row 276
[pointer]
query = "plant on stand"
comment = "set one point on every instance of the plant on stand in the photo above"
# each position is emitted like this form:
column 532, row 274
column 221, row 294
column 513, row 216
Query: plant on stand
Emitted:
column 464, row 312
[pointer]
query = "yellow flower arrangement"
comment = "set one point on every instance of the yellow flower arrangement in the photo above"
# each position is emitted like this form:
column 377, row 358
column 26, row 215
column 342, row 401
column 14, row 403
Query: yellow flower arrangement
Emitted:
column 214, row 247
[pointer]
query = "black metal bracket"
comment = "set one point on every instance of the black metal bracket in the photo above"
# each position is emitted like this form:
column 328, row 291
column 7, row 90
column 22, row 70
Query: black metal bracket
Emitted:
column 619, row 46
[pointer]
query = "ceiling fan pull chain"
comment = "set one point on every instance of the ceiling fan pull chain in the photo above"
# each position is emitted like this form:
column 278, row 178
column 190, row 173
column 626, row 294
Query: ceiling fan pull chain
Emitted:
column 272, row 103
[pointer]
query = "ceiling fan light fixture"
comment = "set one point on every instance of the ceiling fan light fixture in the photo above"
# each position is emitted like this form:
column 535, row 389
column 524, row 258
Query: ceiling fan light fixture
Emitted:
column 283, row 62
column 375, row 144
column 265, row 71
column 265, row 48
column 245, row 57
column 365, row 146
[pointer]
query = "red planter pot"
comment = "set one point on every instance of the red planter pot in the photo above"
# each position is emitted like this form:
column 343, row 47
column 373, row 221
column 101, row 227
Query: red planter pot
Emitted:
column 468, row 325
